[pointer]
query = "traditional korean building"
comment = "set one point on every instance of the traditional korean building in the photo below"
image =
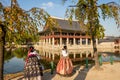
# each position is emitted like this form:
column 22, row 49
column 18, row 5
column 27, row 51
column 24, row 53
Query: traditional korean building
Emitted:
column 72, row 35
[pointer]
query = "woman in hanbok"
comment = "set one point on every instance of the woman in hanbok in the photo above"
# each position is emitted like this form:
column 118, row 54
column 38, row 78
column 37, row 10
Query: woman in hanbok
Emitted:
column 64, row 66
column 33, row 69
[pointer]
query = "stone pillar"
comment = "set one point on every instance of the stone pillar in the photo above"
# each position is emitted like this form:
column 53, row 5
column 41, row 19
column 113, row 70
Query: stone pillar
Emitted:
column 74, row 55
column 46, row 55
column 53, row 56
column 80, row 55
column 91, row 42
column 49, row 55
column 44, row 41
column 87, row 54
column 92, row 55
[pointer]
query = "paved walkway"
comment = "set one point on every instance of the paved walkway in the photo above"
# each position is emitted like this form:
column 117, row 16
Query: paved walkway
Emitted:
column 107, row 72
column 79, row 73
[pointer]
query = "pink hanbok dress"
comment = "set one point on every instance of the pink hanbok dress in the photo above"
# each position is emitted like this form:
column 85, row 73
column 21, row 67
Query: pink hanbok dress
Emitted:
column 64, row 66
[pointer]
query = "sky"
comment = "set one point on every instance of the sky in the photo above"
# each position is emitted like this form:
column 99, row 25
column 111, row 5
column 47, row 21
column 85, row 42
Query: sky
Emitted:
column 57, row 9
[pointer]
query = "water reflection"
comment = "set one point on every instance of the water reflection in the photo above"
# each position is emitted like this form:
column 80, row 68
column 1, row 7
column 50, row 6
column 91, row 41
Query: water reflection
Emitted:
column 8, row 55
column 75, row 55
column 13, row 65
column 14, row 58
column 107, row 55
column 18, row 53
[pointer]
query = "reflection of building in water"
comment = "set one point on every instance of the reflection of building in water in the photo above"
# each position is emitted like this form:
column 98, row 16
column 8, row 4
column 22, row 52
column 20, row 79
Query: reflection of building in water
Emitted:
column 73, row 54
column 74, row 36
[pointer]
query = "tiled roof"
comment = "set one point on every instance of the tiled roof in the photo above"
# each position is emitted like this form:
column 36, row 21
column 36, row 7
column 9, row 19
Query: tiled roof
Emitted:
column 64, row 24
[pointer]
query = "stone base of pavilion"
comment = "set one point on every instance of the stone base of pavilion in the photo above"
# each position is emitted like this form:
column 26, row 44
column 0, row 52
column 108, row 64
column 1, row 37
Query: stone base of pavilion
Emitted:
column 75, row 47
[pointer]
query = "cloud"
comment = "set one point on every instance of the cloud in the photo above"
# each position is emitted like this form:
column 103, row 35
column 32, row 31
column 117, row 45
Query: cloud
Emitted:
column 47, row 5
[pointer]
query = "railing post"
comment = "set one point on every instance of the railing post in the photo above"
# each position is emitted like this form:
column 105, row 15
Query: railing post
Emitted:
column 111, row 60
column 100, row 60
column 52, row 66
column 86, row 60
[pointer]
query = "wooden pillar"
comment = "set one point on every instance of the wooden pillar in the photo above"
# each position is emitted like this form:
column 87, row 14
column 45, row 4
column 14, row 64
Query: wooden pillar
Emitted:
column 60, row 38
column 73, row 41
column 67, row 41
column 80, row 41
column 49, row 41
column 86, row 41
column 53, row 40
column 60, row 41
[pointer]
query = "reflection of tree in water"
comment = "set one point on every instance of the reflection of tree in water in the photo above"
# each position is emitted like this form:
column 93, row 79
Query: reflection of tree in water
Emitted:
column 8, row 55
column 18, row 52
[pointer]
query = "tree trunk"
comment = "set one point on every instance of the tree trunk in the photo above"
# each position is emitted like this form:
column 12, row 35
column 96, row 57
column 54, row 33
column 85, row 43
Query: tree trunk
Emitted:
column 97, row 66
column 1, row 59
column 2, row 43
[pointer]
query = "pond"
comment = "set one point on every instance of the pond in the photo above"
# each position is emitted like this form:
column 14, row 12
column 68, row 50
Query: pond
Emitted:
column 13, row 65
column 14, row 59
